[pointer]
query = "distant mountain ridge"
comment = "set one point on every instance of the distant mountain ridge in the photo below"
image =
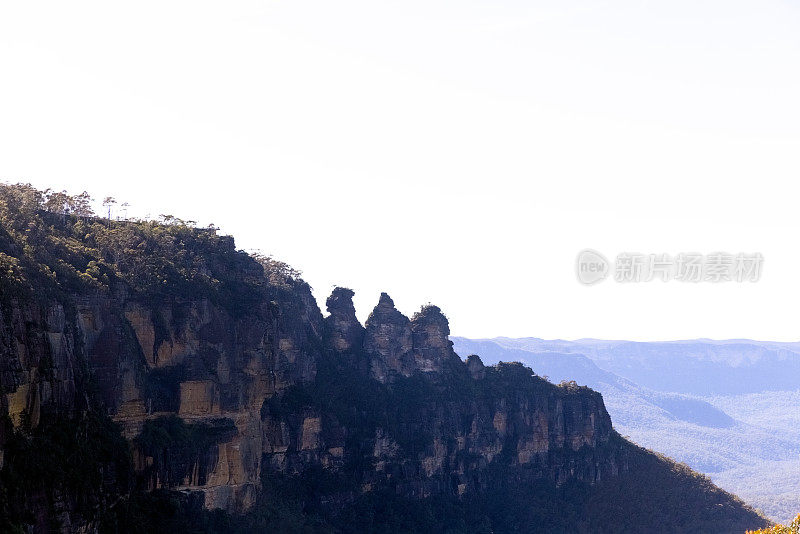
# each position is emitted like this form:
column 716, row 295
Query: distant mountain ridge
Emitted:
column 708, row 366
column 567, row 366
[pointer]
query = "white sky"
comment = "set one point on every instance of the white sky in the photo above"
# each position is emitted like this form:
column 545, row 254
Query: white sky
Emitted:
column 458, row 152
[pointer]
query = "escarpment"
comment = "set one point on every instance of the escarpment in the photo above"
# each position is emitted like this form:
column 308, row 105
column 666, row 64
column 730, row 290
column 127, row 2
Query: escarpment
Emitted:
column 149, row 360
column 233, row 392
column 222, row 376
column 421, row 422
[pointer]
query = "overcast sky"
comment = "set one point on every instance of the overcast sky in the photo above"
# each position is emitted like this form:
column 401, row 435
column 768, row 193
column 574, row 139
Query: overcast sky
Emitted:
column 460, row 153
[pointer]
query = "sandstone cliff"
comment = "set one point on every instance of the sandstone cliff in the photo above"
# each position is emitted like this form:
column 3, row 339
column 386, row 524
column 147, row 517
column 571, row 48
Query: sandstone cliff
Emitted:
column 227, row 382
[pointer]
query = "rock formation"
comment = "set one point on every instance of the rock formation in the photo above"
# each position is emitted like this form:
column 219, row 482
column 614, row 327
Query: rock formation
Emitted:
column 224, row 376
column 430, row 339
column 388, row 342
column 345, row 332
column 475, row 366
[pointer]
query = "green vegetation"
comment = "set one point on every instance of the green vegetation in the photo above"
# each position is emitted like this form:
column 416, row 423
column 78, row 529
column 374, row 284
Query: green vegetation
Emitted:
column 52, row 242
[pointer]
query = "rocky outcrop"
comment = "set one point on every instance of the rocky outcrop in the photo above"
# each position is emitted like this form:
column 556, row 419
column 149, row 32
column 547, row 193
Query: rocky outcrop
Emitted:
column 388, row 342
column 345, row 333
column 399, row 346
column 475, row 366
column 430, row 339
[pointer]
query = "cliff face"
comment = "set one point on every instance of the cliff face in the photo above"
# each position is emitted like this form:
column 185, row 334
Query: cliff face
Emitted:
column 193, row 360
column 226, row 381
column 429, row 426
column 190, row 358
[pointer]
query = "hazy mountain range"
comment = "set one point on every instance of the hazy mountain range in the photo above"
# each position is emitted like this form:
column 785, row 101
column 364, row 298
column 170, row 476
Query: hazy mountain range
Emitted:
column 730, row 409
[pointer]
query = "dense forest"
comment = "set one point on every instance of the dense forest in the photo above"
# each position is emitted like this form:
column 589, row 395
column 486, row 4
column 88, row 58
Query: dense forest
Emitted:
column 53, row 241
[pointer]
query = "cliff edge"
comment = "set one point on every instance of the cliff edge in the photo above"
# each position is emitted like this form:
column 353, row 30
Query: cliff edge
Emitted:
column 149, row 367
